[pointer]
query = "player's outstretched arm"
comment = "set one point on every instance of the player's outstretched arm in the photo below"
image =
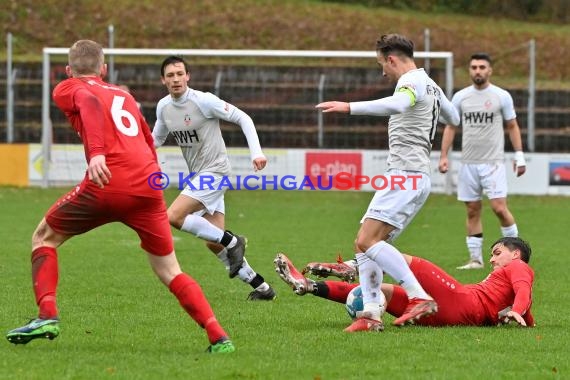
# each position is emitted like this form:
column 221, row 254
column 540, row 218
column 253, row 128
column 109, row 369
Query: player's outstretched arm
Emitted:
column 341, row 107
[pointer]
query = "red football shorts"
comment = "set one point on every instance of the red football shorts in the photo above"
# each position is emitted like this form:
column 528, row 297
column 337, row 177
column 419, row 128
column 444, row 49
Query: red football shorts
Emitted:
column 457, row 305
column 87, row 207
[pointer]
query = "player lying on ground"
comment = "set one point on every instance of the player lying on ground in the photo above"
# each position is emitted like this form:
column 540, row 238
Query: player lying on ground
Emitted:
column 504, row 295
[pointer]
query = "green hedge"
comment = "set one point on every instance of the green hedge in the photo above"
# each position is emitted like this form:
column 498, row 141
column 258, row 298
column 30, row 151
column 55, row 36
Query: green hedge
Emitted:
column 557, row 11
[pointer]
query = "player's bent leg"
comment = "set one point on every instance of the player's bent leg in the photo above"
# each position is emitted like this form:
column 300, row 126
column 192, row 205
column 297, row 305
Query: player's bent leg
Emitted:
column 192, row 299
column 44, row 278
column 45, row 236
column 182, row 206
column 165, row 267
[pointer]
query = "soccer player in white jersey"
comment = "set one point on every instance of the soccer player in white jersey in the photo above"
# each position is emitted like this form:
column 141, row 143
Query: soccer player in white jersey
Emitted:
column 485, row 110
column 414, row 111
column 193, row 118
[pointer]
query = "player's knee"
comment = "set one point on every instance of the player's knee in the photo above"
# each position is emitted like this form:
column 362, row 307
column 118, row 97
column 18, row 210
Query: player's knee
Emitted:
column 175, row 219
column 166, row 267
column 362, row 243
column 44, row 236
column 501, row 211
column 473, row 212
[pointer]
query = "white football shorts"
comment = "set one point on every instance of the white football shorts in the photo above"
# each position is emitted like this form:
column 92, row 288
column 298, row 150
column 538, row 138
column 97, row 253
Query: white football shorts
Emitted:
column 397, row 206
column 474, row 180
column 206, row 188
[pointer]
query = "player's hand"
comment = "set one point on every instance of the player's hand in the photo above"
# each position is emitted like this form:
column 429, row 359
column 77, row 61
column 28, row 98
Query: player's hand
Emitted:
column 519, row 164
column 98, row 171
column 519, row 170
column 259, row 163
column 511, row 316
column 443, row 165
column 341, row 107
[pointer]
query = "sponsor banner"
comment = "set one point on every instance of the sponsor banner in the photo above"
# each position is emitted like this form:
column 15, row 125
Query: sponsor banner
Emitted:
column 546, row 173
column 322, row 166
column 66, row 164
column 14, row 165
column 558, row 173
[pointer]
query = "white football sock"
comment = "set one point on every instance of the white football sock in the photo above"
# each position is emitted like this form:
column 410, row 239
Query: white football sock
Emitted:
column 223, row 256
column 511, row 231
column 246, row 273
column 391, row 261
column 203, row 229
column 370, row 276
column 475, row 248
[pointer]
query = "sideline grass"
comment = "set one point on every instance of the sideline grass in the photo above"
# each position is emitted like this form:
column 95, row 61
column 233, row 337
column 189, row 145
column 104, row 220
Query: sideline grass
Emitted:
column 119, row 322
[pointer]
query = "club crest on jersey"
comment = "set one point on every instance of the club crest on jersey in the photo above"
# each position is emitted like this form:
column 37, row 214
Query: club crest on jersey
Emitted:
column 187, row 120
column 488, row 104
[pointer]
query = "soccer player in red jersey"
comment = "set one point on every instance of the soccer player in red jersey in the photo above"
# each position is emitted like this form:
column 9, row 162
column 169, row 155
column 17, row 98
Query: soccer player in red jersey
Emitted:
column 121, row 161
column 504, row 295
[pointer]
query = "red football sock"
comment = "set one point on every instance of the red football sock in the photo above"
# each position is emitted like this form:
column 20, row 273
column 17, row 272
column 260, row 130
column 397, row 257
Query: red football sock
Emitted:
column 338, row 290
column 192, row 299
column 45, row 277
column 398, row 302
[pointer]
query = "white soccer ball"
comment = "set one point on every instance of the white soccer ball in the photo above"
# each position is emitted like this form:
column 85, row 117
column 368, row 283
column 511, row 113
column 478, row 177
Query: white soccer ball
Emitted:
column 354, row 304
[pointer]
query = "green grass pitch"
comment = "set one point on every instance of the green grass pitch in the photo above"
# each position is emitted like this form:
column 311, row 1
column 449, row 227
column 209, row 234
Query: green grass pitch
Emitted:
column 119, row 322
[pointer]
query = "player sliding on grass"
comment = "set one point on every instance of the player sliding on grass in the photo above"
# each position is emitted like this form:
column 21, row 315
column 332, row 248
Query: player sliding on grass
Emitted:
column 504, row 295
column 120, row 157
column 414, row 110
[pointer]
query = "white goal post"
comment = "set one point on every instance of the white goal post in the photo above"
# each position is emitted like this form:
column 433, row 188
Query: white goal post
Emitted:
column 49, row 51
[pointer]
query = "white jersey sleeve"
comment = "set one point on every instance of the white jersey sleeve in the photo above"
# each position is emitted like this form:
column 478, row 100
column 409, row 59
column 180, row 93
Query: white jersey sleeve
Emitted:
column 449, row 113
column 508, row 107
column 397, row 103
column 214, row 107
column 160, row 131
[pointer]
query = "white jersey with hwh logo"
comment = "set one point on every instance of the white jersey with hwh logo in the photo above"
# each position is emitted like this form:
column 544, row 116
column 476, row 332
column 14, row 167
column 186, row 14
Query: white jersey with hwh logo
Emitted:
column 483, row 113
column 194, row 122
column 411, row 133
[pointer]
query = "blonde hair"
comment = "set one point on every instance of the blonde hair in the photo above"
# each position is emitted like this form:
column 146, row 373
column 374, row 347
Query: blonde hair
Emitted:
column 86, row 58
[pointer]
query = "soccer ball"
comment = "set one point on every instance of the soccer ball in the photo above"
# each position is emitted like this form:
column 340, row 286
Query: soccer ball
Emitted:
column 354, row 304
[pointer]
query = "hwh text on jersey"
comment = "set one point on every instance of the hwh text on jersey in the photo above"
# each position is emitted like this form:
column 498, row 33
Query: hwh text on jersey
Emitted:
column 478, row 118
column 186, row 138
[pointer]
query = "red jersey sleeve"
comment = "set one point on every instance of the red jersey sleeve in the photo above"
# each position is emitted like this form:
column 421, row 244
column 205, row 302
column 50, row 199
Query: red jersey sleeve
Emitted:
column 529, row 319
column 521, row 278
column 92, row 121
column 148, row 136
column 85, row 113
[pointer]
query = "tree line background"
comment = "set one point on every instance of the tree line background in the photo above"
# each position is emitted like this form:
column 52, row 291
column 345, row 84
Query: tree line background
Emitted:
column 551, row 11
